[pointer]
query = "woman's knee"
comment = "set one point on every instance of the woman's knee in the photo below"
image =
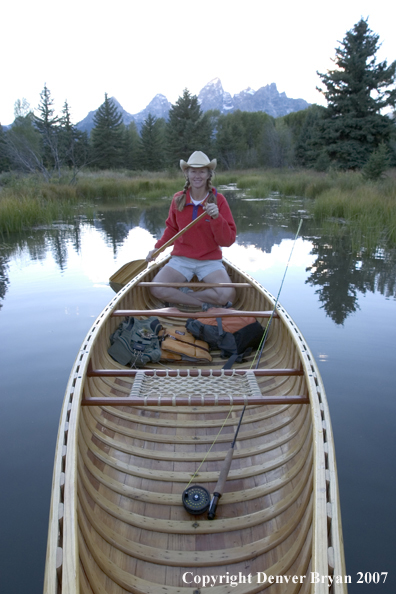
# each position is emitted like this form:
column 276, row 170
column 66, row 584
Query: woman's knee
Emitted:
column 157, row 292
column 166, row 275
column 226, row 294
column 231, row 294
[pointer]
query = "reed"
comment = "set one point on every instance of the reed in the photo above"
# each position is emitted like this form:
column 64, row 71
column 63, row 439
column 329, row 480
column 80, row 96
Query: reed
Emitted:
column 369, row 211
column 118, row 187
column 27, row 202
column 28, row 209
column 367, row 207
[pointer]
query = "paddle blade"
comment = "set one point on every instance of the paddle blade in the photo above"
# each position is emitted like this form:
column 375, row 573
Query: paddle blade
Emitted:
column 127, row 272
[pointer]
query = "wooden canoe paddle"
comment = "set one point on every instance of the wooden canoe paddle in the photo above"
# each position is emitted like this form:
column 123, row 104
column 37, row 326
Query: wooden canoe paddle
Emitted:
column 131, row 269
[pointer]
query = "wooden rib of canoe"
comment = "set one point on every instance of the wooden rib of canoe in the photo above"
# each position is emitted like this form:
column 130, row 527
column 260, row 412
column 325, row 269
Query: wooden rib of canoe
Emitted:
column 125, row 456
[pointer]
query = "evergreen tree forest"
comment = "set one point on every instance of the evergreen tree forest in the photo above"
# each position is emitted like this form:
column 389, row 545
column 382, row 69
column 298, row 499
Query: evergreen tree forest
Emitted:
column 355, row 131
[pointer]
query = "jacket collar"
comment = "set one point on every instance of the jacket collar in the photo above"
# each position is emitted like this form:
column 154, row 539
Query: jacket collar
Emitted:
column 189, row 201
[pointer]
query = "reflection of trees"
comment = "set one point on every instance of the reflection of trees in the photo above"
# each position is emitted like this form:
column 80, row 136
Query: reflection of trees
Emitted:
column 271, row 212
column 155, row 217
column 338, row 273
column 379, row 272
column 341, row 274
column 117, row 223
column 4, row 280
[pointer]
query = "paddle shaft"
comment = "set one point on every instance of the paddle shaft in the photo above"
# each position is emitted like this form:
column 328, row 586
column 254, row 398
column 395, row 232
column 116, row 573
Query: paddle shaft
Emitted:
column 179, row 234
column 131, row 269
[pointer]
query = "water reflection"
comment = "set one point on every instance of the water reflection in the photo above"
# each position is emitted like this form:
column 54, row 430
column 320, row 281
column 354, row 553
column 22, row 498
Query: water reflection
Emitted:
column 4, row 280
column 339, row 274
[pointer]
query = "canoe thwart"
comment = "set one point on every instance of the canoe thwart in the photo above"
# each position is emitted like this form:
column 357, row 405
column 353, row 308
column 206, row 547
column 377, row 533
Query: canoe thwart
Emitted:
column 195, row 400
column 198, row 285
column 173, row 312
column 192, row 372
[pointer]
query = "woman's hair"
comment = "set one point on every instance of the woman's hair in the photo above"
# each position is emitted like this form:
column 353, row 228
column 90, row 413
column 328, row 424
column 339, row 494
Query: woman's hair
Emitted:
column 181, row 200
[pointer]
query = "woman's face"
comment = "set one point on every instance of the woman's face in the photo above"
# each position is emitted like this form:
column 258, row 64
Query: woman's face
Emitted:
column 198, row 177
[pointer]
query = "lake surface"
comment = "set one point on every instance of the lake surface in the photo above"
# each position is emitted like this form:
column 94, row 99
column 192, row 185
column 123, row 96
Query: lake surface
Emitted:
column 53, row 285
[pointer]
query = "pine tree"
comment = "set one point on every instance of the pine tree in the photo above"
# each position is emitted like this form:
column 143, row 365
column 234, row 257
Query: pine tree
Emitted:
column 131, row 146
column 151, row 144
column 231, row 144
column 187, row 130
column 67, row 136
column 47, row 123
column 308, row 149
column 356, row 92
column 73, row 144
column 377, row 163
column 5, row 163
column 108, row 136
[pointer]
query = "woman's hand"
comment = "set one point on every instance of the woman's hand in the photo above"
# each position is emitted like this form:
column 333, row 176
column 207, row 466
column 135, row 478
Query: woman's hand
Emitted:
column 149, row 257
column 212, row 210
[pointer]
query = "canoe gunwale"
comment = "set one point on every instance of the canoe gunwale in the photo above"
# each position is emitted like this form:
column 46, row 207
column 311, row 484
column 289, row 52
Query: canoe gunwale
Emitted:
column 62, row 561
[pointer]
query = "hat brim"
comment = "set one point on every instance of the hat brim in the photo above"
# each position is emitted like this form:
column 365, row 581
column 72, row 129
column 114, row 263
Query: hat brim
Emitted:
column 211, row 165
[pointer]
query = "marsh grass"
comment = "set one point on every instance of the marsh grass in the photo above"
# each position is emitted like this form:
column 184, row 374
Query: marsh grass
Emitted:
column 27, row 201
column 29, row 208
column 337, row 199
column 115, row 188
column 368, row 210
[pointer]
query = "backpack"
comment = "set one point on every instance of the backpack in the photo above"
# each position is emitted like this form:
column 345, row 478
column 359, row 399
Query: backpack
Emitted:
column 233, row 346
column 179, row 345
column 136, row 342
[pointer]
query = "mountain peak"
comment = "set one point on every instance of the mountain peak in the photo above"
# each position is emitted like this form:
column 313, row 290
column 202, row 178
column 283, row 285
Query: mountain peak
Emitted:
column 213, row 96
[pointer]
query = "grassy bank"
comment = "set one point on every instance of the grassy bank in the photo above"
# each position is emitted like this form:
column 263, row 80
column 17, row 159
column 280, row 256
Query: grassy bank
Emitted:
column 367, row 207
column 342, row 201
column 27, row 202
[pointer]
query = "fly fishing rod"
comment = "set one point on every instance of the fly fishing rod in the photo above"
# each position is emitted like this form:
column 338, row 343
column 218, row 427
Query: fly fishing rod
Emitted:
column 219, row 488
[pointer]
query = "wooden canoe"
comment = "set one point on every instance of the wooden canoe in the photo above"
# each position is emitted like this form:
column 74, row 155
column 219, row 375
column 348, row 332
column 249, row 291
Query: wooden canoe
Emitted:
column 117, row 523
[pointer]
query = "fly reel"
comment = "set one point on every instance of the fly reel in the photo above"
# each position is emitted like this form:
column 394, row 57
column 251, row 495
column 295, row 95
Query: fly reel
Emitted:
column 196, row 500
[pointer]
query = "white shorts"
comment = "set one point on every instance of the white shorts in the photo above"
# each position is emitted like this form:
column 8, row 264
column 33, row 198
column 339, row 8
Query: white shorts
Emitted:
column 189, row 266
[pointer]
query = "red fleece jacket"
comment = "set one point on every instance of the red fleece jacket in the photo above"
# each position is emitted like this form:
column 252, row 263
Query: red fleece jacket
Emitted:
column 204, row 239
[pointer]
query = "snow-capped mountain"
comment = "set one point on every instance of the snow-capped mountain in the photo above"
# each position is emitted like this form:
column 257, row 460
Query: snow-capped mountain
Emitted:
column 213, row 96
column 266, row 99
column 158, row 107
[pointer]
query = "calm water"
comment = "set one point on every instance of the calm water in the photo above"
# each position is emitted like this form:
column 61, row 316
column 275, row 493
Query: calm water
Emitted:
column 54, row 283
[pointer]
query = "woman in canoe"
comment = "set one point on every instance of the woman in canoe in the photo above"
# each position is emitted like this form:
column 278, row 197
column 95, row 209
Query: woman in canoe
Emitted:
column 198, row 251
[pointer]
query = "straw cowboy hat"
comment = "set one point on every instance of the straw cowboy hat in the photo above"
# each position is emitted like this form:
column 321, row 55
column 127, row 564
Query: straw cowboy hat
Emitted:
column 198, row 159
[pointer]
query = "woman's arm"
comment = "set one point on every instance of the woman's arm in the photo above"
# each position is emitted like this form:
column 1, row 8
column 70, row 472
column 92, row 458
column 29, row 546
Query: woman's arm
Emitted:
column 223, row 226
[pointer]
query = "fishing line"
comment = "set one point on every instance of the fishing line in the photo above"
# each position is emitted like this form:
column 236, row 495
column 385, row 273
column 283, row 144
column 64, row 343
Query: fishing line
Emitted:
column 196, row 499
column 259, row 351
column 208, row 452
column 228, row 459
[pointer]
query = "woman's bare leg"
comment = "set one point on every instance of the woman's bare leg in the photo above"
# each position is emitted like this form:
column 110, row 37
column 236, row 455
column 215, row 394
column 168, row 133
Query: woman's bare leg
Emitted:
column 215, row 295
column 172, row 294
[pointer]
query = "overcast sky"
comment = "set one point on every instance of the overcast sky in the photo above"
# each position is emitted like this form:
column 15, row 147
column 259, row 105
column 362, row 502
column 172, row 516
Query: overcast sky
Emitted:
column 133, row 50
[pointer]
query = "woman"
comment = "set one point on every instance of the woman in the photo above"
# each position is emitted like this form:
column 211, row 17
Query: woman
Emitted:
column 198, row 251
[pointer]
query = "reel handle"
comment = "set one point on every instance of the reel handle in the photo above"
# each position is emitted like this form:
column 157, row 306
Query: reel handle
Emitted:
column 213, row 506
